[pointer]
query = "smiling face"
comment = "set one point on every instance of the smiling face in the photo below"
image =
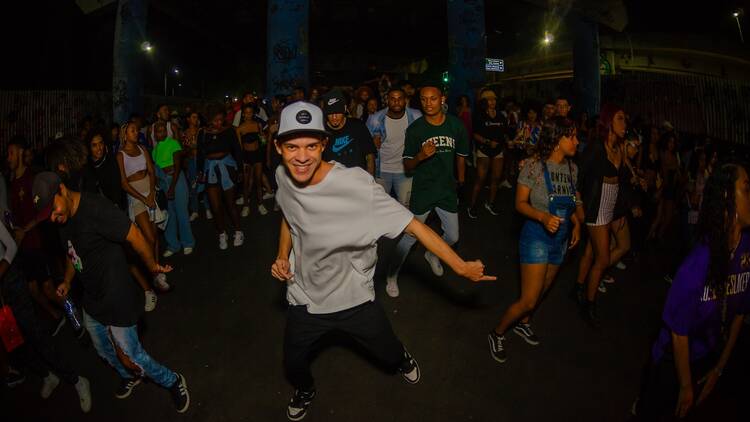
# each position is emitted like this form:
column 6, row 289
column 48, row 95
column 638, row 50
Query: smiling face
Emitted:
column 302, row 157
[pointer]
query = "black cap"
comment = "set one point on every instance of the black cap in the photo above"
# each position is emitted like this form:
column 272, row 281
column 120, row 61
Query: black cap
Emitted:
column 334, row 103
column 46, row 186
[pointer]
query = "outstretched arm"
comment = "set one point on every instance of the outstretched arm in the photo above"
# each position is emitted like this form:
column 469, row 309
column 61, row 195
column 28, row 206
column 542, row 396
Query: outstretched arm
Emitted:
column 473, row 270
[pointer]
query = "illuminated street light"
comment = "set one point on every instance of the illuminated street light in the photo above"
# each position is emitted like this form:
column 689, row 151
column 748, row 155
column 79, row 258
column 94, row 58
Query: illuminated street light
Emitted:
column 547, row 40
column 736, row 15
column 147, row 47
column 176, row 70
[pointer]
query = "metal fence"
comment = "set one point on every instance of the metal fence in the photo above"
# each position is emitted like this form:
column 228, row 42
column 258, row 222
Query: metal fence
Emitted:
column 39, row 115
column 694, row 104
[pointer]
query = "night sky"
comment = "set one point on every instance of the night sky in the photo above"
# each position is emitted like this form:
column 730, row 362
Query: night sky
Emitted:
column 220, row 45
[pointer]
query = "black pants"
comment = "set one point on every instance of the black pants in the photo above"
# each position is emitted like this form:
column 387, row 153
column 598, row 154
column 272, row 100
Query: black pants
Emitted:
column 366, row 323
column 38, row 353
column 661, row 387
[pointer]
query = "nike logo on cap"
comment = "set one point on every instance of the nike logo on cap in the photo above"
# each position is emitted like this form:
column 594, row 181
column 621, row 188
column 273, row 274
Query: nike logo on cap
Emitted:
column 332, row 101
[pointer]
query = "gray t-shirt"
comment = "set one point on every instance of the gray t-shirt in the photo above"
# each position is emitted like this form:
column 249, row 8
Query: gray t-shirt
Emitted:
column 392, row 148
column 335, row 226
column 532, row 175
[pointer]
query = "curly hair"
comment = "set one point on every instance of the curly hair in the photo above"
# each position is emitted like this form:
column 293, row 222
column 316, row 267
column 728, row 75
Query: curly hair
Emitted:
column 715, row 223
column 552, row 131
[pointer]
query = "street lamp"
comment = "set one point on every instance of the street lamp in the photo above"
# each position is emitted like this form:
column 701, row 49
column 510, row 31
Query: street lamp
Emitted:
column 147, row 47
column 736, row 15
column 176, row 71
column 547, row 40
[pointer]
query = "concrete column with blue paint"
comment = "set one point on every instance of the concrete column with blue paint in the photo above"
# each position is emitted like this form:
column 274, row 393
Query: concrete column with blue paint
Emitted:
column 586, row 73
column 287, row 63
column 127, row 66
column 467, row 48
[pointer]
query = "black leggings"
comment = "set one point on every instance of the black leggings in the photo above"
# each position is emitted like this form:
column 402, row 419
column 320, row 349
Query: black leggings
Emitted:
column 366, row 323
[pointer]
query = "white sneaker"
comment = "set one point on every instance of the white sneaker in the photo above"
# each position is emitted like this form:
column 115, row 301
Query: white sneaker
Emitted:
column 167, row 253
column 262, row 209
column 621, row 265
column 187, row 251
column 506, row 185
column 608, row 279
column 238, row 239
column 391, row 286
column 193, row 216
column 160, row 281
column 49, row 384
column 150, row 300
column 437, row 267
column 84, row 393
column 223, row 241
column 240, row 200
column 602, row 288
column 245, row 211
column 209, row 216
column 268, row 195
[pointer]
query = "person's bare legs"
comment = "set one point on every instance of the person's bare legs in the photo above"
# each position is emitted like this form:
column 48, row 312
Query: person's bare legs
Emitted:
column 621, row 235
column 258, row 180
column 217, row 207
column 234, row 215
column 148, row 228
column 549, row 277
column 532, row 285
column 139, row 277
column 483, row 165
column 599, row 236
column 247, row 182
column 496, row 174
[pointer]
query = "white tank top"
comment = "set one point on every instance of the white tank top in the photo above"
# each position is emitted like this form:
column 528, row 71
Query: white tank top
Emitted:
column 134, row 164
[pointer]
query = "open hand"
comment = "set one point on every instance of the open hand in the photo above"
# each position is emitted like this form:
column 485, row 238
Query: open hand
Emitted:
column 709, row 381
column 684, row 401
column 575, row 237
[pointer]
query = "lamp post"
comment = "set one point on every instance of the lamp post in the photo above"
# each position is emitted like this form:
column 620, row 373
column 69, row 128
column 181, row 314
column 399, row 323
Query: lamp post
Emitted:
column 176, row 71
column 736, row 15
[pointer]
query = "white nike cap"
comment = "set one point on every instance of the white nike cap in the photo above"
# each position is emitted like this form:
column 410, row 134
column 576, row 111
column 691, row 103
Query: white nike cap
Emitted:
column 301, row 117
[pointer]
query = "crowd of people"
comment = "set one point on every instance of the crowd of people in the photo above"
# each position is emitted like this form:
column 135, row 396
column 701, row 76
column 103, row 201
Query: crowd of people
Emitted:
column 109, row 206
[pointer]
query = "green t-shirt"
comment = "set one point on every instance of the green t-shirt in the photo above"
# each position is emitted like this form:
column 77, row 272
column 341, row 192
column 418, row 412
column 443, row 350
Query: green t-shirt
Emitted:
column 163, row 153
column 434, row 184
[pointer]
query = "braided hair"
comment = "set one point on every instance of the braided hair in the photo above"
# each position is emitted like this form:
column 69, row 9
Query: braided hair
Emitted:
column 715, row 223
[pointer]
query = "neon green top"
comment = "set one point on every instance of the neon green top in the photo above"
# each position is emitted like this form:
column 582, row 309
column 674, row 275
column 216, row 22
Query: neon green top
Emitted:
column 163, row 153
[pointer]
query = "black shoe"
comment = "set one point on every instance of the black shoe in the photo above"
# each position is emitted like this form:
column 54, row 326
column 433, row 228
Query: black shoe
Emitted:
column 14, row 378
column 472, row 212
column 297, row 408
column 410, row 369
column 126, row 387
column 491, row 208
column 525, row 332
column 497, row 348
column 180, row 394
column 576, row 293
column 590, row 315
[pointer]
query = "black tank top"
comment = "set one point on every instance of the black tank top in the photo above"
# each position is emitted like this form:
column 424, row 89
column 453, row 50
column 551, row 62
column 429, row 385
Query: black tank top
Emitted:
column 250, row 137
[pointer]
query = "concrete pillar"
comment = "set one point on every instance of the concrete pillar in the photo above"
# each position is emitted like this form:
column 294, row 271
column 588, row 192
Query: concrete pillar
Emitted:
column 127, row 70
column 287, row 63
column 586, row 75
column 467, row 48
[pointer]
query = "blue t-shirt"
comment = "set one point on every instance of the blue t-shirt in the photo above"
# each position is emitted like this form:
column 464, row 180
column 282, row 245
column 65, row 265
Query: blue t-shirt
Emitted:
column 692, row 309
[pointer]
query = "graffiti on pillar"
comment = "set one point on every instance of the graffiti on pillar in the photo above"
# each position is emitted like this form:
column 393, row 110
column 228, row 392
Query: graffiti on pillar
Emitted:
column 287, row 45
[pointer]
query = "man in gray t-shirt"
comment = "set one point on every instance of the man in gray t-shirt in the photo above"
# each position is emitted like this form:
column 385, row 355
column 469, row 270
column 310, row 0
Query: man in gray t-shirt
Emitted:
column 333, row 218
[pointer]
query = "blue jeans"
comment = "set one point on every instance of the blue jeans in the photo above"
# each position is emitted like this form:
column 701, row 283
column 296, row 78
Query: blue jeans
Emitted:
column 103, row 337
column 537, row 246
column 178, row 232
column 397, row 182
column 449, row 224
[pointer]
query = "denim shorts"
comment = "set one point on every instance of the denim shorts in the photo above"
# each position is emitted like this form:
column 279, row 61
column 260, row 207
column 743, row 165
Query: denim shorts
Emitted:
column 537, row 246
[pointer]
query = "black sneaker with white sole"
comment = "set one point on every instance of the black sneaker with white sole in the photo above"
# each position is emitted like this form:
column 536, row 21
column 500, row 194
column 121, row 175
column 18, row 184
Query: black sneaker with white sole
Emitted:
column 297, row 408
column 491, row 208
column 180, row 394
column 472, row 213
column 525, row 332
column 497, row 348
column 410, row 369
column 126, row 387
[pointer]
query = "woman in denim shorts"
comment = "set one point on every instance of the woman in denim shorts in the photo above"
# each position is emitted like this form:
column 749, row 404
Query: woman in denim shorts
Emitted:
column 547, row 197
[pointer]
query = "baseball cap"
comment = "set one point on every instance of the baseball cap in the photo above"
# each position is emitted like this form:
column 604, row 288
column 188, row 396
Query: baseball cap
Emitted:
column 334, row 103
column 301, row 117
column 45, row 187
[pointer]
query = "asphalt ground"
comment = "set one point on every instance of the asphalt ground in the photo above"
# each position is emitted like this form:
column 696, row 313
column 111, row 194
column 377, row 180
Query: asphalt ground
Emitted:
column 222, row 327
